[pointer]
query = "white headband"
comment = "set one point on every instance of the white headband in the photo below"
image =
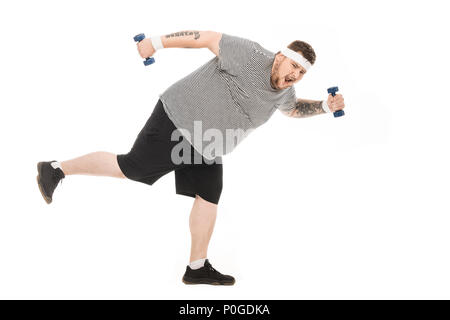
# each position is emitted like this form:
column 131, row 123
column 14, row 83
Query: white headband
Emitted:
column 297, row 57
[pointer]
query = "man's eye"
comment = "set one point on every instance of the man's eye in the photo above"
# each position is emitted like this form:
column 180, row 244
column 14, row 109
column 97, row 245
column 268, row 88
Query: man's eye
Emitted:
column 294, row 65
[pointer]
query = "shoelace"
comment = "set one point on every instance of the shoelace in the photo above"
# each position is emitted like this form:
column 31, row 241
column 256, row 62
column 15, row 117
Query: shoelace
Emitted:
column 57, row 176
column 210, row 268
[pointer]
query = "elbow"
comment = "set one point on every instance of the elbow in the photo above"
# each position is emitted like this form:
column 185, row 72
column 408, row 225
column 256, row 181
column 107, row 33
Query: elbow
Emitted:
column 213, row 34
column 287, row 113
column 213, row 40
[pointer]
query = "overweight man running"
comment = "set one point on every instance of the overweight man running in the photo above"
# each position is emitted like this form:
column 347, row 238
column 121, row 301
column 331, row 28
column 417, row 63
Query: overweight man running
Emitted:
column 199, row 119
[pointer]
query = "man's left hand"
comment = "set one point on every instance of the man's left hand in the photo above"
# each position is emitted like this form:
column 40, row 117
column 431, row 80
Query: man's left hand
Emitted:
column 335, row 103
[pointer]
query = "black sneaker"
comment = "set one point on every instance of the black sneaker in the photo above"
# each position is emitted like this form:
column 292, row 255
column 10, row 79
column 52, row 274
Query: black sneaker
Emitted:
column 206, row 275
column 47, row 179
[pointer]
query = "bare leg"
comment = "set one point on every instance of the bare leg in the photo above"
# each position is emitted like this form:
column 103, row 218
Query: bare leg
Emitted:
column 201, row 223
column 95, row 164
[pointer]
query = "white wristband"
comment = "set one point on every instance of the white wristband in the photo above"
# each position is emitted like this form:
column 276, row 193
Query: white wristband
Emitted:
column 325, row 107
column 156, row 42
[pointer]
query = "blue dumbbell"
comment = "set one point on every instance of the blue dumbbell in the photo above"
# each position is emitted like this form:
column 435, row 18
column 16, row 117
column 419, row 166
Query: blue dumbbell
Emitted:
column 139, row 38
column 333, row 91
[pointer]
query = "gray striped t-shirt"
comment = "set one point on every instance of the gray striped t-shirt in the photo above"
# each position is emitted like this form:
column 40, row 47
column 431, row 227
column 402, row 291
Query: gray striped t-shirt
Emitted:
column 231, row 92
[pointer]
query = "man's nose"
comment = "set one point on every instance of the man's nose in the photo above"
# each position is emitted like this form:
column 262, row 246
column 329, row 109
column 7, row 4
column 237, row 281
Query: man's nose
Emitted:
column 295, row 75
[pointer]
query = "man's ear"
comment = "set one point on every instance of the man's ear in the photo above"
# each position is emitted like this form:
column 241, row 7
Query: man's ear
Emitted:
column 279, row 57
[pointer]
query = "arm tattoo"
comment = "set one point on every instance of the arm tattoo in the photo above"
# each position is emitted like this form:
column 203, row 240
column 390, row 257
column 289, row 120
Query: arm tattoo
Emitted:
column 307, row 108
column 196, row 34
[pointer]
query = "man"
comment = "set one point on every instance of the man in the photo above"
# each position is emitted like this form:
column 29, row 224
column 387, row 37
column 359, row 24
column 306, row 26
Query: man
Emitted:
column 233, row 93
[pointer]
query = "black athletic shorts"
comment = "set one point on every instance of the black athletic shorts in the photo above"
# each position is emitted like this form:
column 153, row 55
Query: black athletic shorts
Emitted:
column 150, row 158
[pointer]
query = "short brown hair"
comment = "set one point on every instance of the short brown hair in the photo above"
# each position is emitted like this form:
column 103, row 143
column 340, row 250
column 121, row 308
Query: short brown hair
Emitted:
column 305, row 49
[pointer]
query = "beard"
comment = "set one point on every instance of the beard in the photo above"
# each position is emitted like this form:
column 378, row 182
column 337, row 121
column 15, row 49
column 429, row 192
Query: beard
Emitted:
column 276, row 81
column 274, row 78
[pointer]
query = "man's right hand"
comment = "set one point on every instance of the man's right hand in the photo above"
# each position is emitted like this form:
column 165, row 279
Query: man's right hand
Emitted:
column 145, row 48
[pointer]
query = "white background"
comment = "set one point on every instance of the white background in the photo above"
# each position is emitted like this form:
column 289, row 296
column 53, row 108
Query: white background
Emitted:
column 354, row 207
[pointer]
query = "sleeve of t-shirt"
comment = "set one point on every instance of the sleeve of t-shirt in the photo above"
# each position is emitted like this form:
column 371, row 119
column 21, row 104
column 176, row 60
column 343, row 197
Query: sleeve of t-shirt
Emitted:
column 234, row 53
column 289, row 101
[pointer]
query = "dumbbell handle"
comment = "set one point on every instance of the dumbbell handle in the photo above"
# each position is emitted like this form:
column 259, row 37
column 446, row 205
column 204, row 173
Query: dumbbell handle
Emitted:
column 138, row 38
column 333, row 91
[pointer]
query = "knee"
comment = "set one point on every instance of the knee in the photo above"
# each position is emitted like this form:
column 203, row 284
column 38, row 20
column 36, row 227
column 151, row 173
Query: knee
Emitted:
column 119, row 173
column 204, row 202
column 124, row 163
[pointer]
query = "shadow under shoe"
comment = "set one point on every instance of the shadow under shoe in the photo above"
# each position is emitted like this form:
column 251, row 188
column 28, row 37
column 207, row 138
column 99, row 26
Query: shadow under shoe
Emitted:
column 48, row 179
column 207, row 275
